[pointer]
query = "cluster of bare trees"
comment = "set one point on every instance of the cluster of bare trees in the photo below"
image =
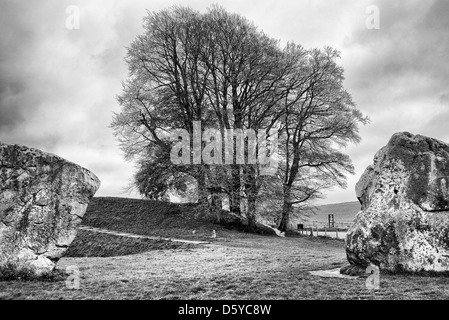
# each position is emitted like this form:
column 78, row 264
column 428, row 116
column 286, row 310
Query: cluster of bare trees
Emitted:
column 219, row 69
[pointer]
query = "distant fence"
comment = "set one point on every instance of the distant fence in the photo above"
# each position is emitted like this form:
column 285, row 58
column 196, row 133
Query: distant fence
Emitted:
column 320, row 228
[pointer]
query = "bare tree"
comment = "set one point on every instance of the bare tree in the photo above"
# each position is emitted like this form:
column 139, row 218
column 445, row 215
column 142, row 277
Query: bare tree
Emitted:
column 165, row 90
column 218, row 69
column 245, row 85
column 244, row 74
column 318, row 119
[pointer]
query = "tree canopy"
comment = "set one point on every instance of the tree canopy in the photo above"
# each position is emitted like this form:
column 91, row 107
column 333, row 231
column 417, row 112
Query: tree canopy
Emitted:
column 219, row 70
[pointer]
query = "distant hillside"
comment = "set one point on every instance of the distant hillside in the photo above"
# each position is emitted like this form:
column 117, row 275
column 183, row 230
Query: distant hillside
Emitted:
column 343, row 212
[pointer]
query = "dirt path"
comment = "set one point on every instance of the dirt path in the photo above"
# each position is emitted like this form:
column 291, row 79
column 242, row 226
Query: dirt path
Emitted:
column 131, row 235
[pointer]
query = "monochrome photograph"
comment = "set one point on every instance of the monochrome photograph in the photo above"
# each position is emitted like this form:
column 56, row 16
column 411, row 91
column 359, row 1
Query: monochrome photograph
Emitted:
column 224, row 155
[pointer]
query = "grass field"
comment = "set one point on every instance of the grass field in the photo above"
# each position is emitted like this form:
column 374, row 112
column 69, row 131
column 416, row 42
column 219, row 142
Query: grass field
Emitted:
column 236, row 265
column 254, row 267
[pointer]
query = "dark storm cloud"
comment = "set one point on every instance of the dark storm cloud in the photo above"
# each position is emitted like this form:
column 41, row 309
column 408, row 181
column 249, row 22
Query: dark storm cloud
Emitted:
column 444, row 99
column 398, row 75
column 9, row 109
column 408, row 52
column 20, row 34
column 403, row 73
column 12, row 84
column 58, row 86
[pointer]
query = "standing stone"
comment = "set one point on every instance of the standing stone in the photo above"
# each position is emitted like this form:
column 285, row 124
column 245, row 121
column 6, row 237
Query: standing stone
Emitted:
column 43, row 199
column 404, row 222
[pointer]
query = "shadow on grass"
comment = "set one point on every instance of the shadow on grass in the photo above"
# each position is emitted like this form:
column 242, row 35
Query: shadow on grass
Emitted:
column 10, row 272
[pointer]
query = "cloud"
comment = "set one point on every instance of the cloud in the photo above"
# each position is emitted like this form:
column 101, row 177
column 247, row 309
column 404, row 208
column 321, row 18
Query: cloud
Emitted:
column 405, row 58
column 444, row 99
column 398, row 75
column 10, row 114
column 58, row 86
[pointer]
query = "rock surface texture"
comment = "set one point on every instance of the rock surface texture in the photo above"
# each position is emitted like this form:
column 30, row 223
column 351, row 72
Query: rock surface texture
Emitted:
column 404, row 222
column 42, row 201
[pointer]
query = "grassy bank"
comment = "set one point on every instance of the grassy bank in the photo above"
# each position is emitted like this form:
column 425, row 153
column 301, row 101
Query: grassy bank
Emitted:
column 158, row 218
column 92, row 244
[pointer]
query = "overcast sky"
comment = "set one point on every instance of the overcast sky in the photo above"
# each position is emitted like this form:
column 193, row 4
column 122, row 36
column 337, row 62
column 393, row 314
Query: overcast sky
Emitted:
column 58, row 86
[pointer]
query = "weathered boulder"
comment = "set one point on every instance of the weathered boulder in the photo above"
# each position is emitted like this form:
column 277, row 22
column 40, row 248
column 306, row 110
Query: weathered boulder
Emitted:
column 42, row 201
column 404, row 222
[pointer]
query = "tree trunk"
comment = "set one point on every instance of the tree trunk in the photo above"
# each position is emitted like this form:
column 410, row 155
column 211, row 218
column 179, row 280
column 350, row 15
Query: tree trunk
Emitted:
column 202, row 189
column 286, row 209
column 236, row 184
column 251, row 191
column 235, row 198
column 216, row 206
column 251, row 214
column 218, row 215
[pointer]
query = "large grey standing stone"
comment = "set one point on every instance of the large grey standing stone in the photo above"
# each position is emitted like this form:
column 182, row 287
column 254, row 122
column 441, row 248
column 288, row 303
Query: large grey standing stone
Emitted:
column 42, row 201
column 404, row 222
